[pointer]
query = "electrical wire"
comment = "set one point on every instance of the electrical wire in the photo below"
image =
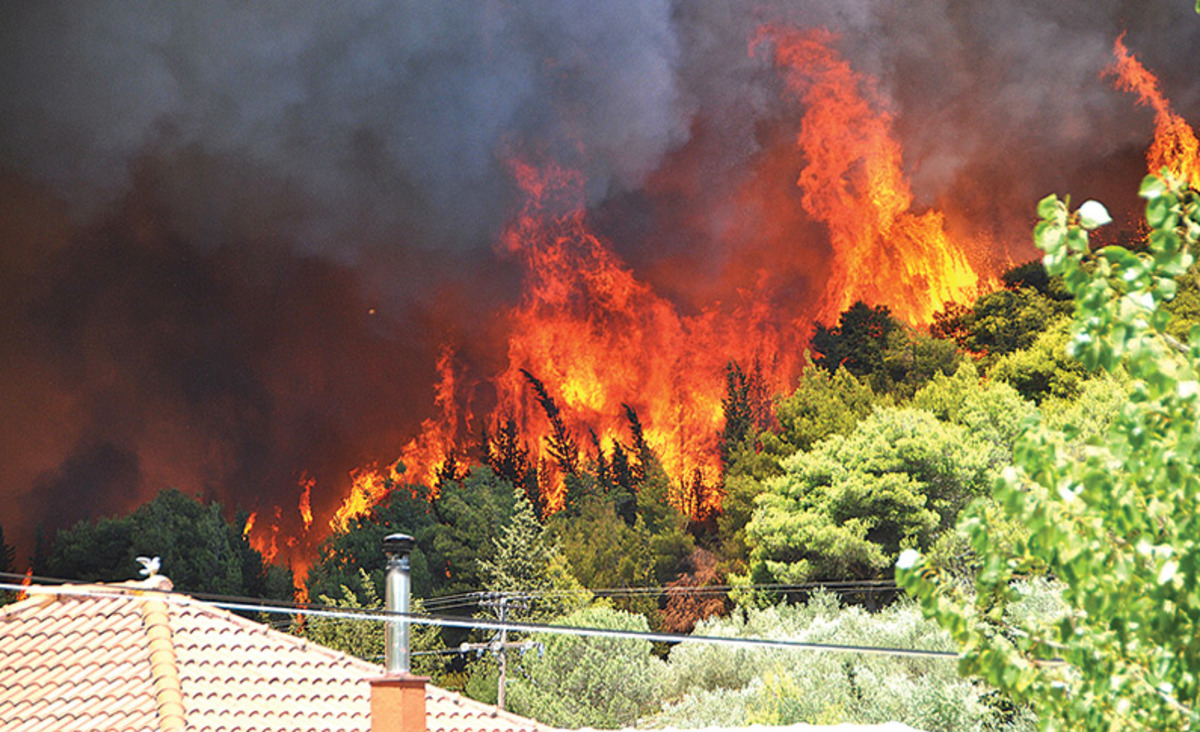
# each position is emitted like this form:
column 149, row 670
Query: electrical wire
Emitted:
column 464, row 599
column 845, row 587
column 262, row 606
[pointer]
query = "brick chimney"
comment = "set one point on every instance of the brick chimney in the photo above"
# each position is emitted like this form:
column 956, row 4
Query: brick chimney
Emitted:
column 398, row 699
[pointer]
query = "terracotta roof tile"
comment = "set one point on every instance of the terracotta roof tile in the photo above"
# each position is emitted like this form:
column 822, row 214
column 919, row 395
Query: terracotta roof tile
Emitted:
column 83, row 663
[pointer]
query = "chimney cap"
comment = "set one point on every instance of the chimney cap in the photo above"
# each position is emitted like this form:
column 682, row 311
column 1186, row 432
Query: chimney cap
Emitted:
column 398, row 544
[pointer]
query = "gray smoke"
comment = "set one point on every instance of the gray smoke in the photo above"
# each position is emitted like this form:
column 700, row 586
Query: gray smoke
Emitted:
column 338, row 125
column 333, row 123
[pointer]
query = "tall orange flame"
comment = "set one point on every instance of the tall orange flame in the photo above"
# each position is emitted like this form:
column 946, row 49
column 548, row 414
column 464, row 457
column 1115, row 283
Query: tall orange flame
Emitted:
column 599, row 337
column 25, row 584
column 1175, row 146
column 368, row 486
column 853, row 182
column 305, row 505
column 264, row 539
column 437, row 437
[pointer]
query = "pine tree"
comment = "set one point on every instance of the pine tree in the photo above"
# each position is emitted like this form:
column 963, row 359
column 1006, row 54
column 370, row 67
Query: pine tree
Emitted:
column 449, row 471
column 508, row 457
column 739, row 417
column 561, row 442
column 525, row 563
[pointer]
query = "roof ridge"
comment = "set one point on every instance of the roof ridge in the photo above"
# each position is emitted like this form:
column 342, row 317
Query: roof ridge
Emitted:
column 494, row 710
column 200, row 606
column 31, row 602
column 164, row 669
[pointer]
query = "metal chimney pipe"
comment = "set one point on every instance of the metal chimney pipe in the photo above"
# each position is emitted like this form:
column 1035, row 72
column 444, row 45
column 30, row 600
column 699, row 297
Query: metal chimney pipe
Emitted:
column 397, row 547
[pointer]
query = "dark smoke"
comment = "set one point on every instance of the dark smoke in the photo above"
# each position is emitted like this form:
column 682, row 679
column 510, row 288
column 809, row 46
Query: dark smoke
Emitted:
column 235, row 235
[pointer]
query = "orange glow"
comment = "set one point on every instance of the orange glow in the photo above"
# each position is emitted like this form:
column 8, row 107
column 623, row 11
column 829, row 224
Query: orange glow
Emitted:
column 305, row 506
column 437, row 439
column 599, row 337
column 853, row 182
column 25, row 583
column 368, row 486
column 264, row 539
column 1175, row 146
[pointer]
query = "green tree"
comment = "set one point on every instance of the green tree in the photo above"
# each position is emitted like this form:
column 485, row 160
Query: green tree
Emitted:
column 1032, row 275
column 1043, row 369
column 882, row 351
column 1115, row 522
column 606, row 553
column 843, row 509
column 727, row 687
column 823, row 404
column 526, row 563
column 745, row 406
column 1009, row 320
column 991, row 410
column 912, row 357
column 605, row 683
column 347, row 553
column 470, row 515
column 505, row 452
column 365, row 638
column 857, row 342
column 1185, row 306
column 199, row 549
column 97, row 551
column 1089, row 414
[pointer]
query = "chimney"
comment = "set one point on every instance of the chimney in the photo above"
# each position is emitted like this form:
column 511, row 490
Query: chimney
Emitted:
column 398, row 699
column 397, row 547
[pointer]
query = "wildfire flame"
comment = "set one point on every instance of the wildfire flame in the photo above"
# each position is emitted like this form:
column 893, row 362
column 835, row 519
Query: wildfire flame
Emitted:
column 853, row 182
column 602, row 338
column 25, row 584
column 438, row 434
column 599, row 337
column 305, row 505
column 266, row 539
column 368, row 486
column 1175, row 146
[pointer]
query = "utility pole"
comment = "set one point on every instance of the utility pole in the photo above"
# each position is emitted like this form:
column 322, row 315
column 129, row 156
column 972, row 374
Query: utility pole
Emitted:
column 502, row 683
column 501, row 603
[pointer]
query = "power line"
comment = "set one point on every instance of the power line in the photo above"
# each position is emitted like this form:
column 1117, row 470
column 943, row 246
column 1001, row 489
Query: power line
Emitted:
column 464, row 599
column 80, row 590
column 847, row 586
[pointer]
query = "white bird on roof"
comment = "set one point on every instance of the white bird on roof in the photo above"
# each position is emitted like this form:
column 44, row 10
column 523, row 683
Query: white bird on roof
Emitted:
column 150, row 566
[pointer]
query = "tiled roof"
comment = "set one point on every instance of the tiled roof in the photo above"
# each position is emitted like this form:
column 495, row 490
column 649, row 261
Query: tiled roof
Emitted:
column 132, row 659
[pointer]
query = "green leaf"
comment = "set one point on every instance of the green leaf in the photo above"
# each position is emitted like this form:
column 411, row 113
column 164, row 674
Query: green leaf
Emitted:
column 1157, row 211
column 1093, row 215
column 1047, row 207
column 1152, row 187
